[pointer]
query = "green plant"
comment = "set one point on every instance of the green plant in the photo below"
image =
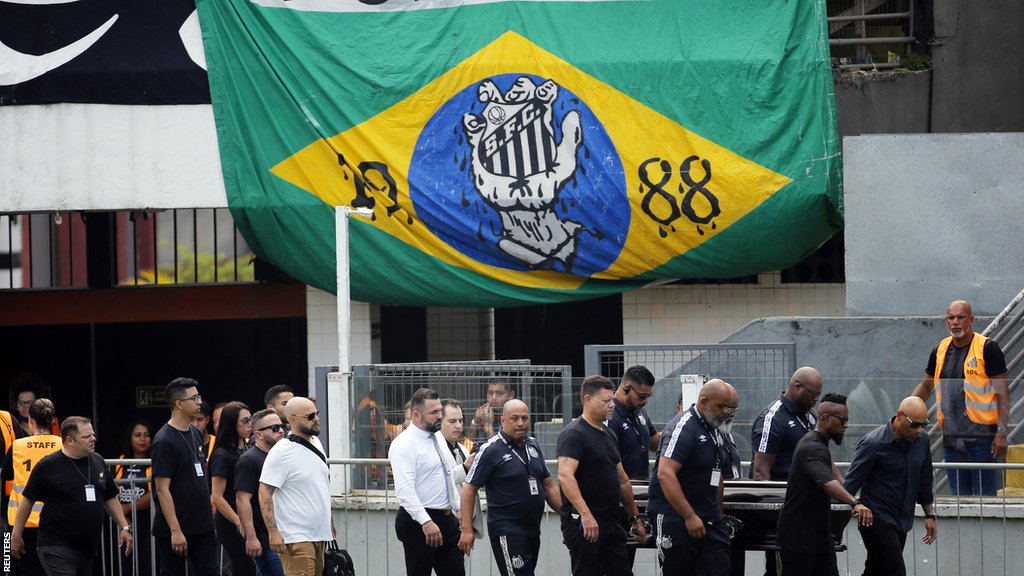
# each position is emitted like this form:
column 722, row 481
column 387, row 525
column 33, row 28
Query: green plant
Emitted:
column 916, row 62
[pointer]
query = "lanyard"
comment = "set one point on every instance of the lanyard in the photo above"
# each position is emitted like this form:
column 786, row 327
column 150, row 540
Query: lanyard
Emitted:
column 191, row 446
column 512, row 449
column 88, row 463
column 711, row 432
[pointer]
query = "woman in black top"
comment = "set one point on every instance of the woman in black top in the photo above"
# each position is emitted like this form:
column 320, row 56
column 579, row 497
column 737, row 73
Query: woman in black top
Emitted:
column 138, row 440
column 235, row 428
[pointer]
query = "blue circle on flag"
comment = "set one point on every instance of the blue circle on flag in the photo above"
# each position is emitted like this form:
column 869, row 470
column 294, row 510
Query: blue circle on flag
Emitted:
column 514, row 201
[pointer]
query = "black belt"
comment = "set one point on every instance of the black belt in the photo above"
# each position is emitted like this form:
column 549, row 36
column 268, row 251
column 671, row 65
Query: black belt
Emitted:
column 432, row 511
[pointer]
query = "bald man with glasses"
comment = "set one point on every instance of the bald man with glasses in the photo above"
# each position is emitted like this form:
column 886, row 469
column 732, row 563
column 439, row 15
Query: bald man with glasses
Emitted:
column 892, row 470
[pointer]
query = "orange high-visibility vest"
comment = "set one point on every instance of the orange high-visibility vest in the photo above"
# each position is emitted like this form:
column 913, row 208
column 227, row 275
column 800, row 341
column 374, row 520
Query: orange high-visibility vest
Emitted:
column 7, row 429
column 979, row 394
column 25, row 454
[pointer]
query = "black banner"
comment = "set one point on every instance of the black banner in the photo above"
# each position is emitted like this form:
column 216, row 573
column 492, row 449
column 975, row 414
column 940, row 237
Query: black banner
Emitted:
column 101, row 51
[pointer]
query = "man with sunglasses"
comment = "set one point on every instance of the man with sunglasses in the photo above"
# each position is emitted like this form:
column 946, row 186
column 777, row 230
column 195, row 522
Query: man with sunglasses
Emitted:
column 183, row 525
column 267, row 430
column 631, row 424
column 892, row 470
column 805, row 521
column 295, row 493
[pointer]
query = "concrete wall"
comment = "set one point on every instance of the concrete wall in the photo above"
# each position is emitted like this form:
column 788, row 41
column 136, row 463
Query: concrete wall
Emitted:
column 886, row 102
column 969, row 543
column 932, row 218
column 978, row 81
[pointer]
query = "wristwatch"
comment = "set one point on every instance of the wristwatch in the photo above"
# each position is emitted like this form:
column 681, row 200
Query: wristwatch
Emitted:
column 634, row 518
column 126, row 528
column 855, row 503
column 1001, row 429
column 929, row 516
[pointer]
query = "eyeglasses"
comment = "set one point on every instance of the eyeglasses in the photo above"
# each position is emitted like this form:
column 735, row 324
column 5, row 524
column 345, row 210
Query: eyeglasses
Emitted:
column 195, row 398
column 727, row 408
column 843, row 419
column 813, row 393
column 245, row 420
column 25, row 402
column 274, row 427
column 312, row 415
column 914, row 424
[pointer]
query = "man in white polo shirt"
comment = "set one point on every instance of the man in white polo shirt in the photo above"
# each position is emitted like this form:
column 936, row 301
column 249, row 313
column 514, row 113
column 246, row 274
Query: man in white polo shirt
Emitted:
column 295, row 495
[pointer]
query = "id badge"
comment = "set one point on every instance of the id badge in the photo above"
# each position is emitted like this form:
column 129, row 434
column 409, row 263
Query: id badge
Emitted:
column 716, row 477
column 534, row 490
column 90, row 493
column 199, row 469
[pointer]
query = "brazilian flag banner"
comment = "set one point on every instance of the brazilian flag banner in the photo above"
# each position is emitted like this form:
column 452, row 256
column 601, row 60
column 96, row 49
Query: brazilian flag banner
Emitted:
column 524, row 151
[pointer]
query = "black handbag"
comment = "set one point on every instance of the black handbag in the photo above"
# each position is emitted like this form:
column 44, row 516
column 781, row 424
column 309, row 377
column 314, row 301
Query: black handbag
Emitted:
column 337, row 562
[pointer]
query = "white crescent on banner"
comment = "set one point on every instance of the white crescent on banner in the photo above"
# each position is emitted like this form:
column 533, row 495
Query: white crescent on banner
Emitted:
column 17, row 67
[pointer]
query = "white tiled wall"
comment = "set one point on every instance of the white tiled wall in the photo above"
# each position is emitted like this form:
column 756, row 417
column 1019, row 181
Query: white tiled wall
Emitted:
column 460, row 334
column 322, row 331
column 706, row 313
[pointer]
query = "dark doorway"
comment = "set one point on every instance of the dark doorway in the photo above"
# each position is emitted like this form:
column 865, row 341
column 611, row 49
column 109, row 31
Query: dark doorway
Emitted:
column 231, row 359
column 556, row 333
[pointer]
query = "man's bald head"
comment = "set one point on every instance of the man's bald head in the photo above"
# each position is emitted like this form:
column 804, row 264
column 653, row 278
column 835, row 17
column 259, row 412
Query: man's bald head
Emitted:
column 911, row 418
column 915, row 408
column 514, row 404
column 962, row 305
column 718, row 389
column 804, row 388
column 718, row 403
column 299, row 406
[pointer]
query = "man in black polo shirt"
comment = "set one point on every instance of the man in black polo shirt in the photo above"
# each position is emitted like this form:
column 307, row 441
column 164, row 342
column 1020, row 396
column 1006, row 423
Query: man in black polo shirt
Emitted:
column 686, row 489
column 511, row 467
column 637, row 435
column 892, row 469
column 267, row 429
column 593, row 482
column 778, row 428
column 782, row 424
column 804, row 525
column 77, row 487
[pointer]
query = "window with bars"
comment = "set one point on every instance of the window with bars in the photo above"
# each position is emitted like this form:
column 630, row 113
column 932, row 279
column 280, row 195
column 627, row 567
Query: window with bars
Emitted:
column 69, row 250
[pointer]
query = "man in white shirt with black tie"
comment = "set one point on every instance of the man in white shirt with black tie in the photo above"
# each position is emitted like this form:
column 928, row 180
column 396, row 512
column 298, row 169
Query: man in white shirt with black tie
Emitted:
column 426, row 524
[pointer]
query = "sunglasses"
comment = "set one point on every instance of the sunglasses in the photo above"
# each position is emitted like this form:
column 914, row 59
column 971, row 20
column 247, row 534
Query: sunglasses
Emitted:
column 273, row 427
column 245, row 419
column 843, row 419
column 914, row 424
column 312, row 415
column 641, row 395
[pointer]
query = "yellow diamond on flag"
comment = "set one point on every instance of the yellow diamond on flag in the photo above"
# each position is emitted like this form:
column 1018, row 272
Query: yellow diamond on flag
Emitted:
column 476, row 167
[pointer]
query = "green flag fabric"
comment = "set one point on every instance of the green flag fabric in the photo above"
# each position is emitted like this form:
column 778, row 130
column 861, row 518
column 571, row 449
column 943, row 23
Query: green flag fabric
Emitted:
column 518, row 152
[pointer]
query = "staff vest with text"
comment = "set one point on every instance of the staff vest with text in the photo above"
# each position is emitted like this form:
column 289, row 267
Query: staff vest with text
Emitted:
column 25, row 454
column 979, row 395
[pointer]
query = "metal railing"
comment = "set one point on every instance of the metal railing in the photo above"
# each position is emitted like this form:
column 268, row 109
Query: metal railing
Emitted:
column 364, row 520
column 870, row 34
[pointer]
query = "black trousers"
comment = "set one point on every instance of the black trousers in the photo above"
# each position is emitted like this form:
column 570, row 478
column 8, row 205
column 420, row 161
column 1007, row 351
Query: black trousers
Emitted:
column 606, row 557
column 64, row 561
column 515, row 555
column 884, row 544
column 234, row 547
column 796, row 564
column 420, row 559
column 679, row 554
column 202, row 551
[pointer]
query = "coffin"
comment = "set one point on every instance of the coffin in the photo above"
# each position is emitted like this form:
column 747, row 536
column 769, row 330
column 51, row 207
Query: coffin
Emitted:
column 756, row 505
